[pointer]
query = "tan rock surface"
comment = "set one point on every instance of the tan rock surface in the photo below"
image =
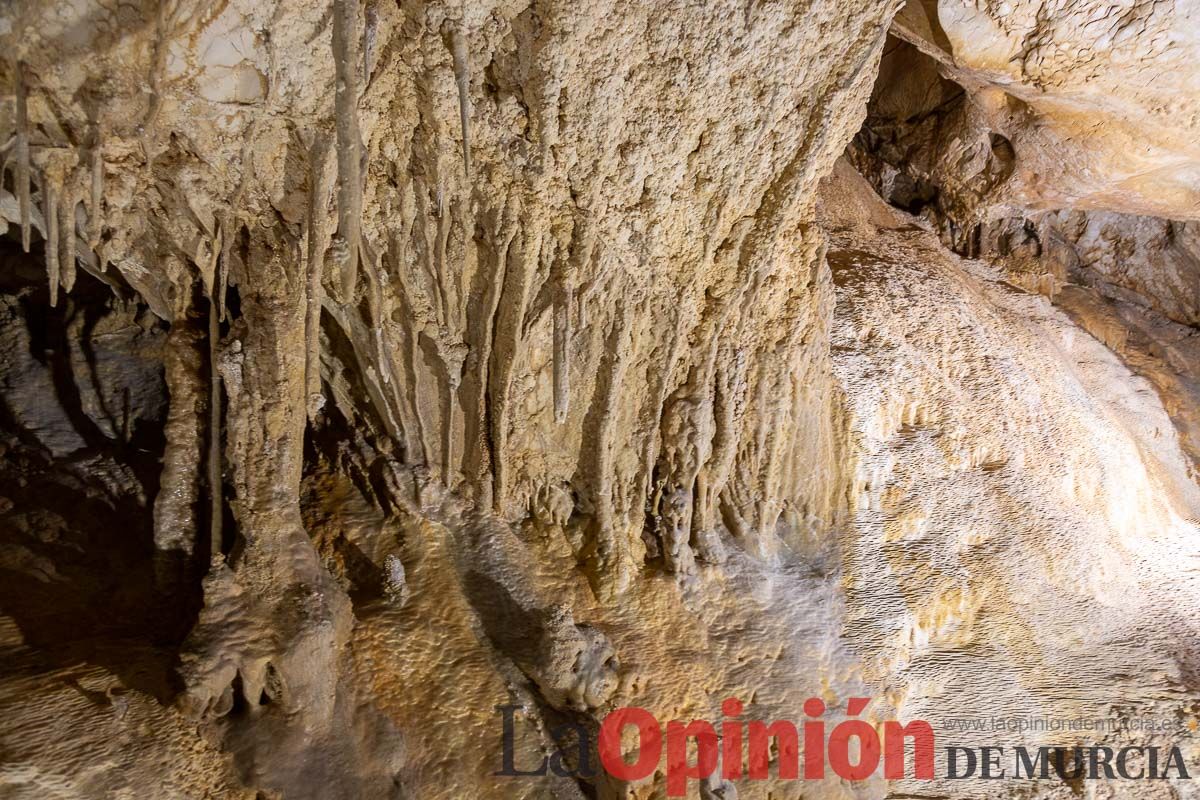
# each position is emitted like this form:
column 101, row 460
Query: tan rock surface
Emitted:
column 1023, row 506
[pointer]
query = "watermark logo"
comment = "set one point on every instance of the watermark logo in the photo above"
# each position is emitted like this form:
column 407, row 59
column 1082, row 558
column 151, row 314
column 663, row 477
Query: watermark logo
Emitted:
column 742, row 749
column 631, row 745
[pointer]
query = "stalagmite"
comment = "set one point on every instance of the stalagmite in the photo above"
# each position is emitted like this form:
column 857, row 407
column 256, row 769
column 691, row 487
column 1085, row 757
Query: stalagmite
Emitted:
column 22, row 155
column 178, row 506
column 349, row 143
column 50, row 214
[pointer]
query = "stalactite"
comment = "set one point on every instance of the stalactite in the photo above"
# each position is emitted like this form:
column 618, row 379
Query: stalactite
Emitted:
column 22, row 155
column 319, row 186
column 645, row 485
column 462, row 76
column 481, row 331
column 50, row 214
column 67, row 228
column 349, row 143
column 208, row 257
column 564, row 297
column 404, row 388
column 96, row 217
column 373, row 264
column 215, row 503
column 226, row 229
column 513, row 303
column 445, row 285
column 412, row 360
column 454, row 356
column 374, row 269
column 452, row 348
column 608, row 563
column 361, row 341
column 562, row 338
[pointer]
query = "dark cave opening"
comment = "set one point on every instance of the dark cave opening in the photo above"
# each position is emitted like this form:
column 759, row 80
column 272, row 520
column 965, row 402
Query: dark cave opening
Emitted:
column 82, row 407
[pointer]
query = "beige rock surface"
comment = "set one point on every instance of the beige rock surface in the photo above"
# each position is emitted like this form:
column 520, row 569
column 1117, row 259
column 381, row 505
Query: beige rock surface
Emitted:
column 934, row 145
column 1023, row 505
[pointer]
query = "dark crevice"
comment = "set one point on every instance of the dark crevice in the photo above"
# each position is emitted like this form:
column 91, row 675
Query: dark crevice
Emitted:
column 79, row 470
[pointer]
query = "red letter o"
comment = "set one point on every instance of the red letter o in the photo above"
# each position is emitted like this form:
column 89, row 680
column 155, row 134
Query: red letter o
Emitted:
column 649, row 744
column 868, row 750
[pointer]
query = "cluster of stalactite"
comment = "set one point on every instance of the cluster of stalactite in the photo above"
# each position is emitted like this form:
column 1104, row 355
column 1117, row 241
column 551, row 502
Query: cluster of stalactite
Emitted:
column 507, row 278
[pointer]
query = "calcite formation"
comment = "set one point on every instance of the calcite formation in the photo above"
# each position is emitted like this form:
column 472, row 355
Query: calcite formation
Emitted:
column 388, row 388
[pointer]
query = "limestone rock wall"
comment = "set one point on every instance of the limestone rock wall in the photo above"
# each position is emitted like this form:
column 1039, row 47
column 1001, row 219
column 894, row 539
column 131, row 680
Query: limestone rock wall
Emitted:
column 555, row 258
column 500, row 213
column 1002, row 454
column 936, row 145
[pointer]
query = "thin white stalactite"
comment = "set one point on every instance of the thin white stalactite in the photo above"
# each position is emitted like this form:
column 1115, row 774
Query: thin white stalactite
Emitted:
column 462, row 76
